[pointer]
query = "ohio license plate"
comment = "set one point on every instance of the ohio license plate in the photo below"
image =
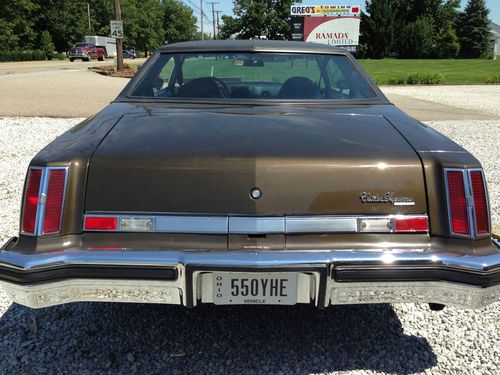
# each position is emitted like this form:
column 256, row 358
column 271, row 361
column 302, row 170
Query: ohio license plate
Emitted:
column 234, row 288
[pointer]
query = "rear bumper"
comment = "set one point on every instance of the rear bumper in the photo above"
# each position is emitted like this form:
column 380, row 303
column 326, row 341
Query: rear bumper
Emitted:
column 185, row 277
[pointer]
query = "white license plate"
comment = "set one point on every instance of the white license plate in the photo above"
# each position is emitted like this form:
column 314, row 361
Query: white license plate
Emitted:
column 234, row 288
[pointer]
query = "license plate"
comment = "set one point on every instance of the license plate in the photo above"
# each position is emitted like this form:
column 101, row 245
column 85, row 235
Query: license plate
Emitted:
column 234, row 288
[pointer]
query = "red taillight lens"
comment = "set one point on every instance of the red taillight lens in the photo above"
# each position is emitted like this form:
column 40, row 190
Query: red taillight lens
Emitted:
column 31, row 200
column 54, row 201
column 415, row 224
column 458, row 203
column 480, row 202
column 107, row 223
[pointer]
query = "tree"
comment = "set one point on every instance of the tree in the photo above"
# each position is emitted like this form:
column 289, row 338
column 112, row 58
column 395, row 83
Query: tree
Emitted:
column 16, row 24
column 416, row 40
column 378, row 28
column 447, row 45
column 258, row 18
column 46, row 44
column 179, row 22
column 143, row 24
column 473, row 30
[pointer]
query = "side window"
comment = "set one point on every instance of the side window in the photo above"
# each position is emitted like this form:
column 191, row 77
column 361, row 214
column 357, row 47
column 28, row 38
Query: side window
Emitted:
column 338, row 81
column 167, row 70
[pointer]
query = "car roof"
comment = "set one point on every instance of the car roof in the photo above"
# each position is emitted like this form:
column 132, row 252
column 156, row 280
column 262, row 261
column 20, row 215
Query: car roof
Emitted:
column 251, row 46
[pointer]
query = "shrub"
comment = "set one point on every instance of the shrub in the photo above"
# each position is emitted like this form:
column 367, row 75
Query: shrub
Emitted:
column 16, row 55
column 493, row 79
column 416, row 39
column 424, row 79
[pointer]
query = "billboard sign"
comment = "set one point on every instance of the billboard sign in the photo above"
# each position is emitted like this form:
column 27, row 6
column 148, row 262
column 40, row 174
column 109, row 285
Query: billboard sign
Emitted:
column 335, row 31
column 325, row 10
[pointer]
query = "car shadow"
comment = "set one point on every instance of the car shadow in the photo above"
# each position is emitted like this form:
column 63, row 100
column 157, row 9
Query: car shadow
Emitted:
column 134, row 338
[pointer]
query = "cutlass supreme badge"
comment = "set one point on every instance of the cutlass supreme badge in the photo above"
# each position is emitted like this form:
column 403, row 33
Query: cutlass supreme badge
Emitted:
column 388, row 197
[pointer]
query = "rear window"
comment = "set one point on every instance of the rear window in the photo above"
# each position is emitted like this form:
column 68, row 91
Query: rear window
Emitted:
column 263, row 76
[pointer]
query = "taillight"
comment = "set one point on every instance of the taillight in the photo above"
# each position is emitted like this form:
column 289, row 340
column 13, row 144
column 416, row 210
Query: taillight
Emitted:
column 31, row 200
column 457, row 200
column 101, row 223
column 467, row 202
column 44, row 200
column 54, row 201
column 480, row 202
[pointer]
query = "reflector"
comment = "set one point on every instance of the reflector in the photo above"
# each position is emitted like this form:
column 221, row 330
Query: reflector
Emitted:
column 100, row 223
column 31, row 200
column 415, row 224
column 54, row 201
column 459, row 217
column 480, row 202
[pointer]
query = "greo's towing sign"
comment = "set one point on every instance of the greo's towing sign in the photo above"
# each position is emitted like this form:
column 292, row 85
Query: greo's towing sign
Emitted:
column 325, row 10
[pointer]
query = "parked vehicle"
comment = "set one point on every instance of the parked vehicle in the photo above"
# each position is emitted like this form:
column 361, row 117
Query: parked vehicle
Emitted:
column 86, row 52
column 253, row 172
column 108, row 44
column 129, row 54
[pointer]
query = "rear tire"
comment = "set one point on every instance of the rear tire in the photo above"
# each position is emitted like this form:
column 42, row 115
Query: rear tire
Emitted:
column 89, row 57
column 102, row 58
column 71, row 59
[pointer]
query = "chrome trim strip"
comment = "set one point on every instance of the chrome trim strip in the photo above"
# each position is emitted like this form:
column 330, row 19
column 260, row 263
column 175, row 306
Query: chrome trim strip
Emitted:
column 262, row 258
column 256, row 225
column 321, row 224
column 190, row 224
column 222, row 224
column 175, row 292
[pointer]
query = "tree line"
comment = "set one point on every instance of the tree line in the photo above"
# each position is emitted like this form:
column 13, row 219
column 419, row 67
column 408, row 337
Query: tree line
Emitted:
column 425, row 29
column 58, row 24
column 402, row 28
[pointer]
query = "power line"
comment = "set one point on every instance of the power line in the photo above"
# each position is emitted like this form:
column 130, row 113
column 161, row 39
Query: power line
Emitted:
column 213, row 15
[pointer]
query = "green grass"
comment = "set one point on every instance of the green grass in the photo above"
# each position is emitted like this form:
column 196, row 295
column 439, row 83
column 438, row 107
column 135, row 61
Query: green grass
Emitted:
column 393, row 71
column 386, row 71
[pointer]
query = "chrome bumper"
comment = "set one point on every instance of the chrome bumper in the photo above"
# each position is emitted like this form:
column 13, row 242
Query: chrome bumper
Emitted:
column 326, row 277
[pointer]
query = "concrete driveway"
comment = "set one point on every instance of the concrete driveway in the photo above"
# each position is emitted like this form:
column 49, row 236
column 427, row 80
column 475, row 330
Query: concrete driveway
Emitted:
column 68, row 89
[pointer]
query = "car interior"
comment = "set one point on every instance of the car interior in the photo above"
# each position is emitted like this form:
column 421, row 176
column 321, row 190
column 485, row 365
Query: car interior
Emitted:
column 253, row 76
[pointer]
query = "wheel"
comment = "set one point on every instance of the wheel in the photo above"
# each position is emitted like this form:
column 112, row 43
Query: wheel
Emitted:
column 71, row 59
column 89, row 57
column 102, row 58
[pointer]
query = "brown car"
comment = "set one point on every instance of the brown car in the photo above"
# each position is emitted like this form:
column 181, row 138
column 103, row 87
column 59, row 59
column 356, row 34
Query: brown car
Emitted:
column 253, row 172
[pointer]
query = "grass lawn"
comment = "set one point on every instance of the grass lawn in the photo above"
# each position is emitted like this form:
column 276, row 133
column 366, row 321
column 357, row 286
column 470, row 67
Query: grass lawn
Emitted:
column 453, row 71
column 386, row 71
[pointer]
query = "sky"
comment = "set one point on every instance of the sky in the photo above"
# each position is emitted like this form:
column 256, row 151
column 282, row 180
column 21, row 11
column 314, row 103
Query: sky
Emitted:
column 226, row 7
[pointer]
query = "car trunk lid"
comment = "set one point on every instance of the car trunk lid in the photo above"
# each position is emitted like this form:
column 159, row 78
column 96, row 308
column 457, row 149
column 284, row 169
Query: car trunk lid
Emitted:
column 305, row 162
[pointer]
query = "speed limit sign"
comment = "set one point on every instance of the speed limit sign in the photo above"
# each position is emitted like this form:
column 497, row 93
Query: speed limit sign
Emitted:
column 116, row 29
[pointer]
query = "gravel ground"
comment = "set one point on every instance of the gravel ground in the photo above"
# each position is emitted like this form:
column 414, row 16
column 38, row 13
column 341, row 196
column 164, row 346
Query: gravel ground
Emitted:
column 131, row 338
column 483, row 98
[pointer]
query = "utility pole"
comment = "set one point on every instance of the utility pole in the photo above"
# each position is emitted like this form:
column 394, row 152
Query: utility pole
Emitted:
column 201, row 20
column 119, row 41
column 217, row 13
column 213, row 14
column 88, row 13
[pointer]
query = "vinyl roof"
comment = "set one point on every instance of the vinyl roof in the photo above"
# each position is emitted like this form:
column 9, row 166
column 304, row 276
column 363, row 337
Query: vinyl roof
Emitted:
column 251, row 46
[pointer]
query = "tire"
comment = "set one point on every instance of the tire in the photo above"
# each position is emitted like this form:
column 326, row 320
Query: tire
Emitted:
column 102, row 58
column 89, row 57
column 71, row 59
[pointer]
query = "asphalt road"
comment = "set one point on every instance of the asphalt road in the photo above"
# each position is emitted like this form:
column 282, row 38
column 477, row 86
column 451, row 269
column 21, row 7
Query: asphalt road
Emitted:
column 68, row 89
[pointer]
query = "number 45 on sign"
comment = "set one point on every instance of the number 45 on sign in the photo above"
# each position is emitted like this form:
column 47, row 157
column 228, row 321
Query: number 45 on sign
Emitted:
column 116, row 29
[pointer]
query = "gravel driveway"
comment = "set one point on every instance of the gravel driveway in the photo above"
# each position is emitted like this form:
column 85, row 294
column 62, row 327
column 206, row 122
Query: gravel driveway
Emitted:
column 130, row 338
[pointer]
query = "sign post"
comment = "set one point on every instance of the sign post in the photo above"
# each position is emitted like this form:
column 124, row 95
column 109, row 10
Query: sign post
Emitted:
column 116, row 27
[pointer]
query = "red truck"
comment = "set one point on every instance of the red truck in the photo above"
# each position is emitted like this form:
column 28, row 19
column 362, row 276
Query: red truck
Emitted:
column 86, row 52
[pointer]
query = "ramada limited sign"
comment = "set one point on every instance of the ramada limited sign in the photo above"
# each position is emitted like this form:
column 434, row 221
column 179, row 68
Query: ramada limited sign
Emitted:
column 336, row 25
column 335, row 31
